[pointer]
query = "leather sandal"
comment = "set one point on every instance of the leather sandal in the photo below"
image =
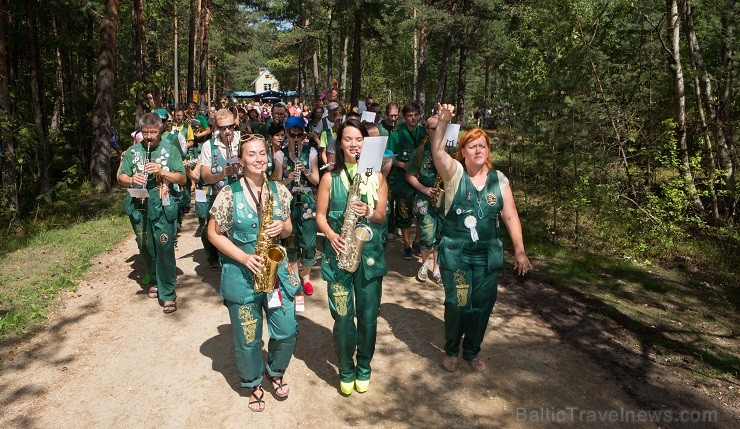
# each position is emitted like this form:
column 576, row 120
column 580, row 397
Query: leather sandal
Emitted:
column 259, row 400
column 279, row 386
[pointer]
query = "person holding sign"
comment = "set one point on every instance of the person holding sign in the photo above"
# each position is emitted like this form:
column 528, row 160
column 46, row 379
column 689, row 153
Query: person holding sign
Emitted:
column 243, row 213
column 154, row 167
column 351, row 208
column 470, row 251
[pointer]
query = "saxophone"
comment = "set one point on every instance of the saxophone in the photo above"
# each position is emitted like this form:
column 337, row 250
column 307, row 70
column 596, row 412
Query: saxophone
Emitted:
column 355, row 236
column 438, row 196
column 267, row 248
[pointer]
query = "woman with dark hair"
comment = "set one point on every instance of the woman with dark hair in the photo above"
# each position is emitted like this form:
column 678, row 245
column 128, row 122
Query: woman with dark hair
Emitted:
column 353, row 293
column 470, row 251
column 276, row 135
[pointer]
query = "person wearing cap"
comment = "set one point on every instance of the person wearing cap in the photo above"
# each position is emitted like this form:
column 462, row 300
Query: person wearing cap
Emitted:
column 297, row 167
column 218, row 168
column 156, row 165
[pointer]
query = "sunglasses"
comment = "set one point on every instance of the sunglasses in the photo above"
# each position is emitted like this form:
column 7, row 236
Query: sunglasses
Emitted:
column 296, row 135
column 227, row 127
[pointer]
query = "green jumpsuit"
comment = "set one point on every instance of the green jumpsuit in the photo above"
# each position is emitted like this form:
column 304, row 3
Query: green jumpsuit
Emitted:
column 353, row 294
column 428, row 216
column 154, row 220
column 470, row 269
column 246, row 306
column 302, row 243
column 403, row 142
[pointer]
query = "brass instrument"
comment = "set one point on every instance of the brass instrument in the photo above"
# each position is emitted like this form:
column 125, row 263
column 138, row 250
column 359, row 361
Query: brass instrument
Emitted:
column 189, row 120
column 266, row 247
column 437, row 197
column 355, row 236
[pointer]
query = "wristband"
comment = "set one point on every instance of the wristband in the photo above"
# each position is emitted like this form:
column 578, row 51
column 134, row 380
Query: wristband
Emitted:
column 370, row 212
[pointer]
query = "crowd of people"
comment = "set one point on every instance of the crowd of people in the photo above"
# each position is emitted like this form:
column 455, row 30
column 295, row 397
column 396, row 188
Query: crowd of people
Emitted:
column 289, row 178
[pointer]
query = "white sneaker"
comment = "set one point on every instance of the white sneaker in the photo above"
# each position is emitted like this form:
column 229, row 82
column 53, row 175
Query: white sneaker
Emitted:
column 422, row 275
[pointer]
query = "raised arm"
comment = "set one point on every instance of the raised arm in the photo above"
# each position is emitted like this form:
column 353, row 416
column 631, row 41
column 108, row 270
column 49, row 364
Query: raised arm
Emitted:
column 443, row 162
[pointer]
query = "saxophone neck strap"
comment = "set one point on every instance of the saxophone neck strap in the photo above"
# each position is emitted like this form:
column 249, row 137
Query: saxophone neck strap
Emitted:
column 256, row 198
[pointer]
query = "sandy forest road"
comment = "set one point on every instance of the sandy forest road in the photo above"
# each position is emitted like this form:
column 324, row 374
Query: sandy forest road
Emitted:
column 111, row 358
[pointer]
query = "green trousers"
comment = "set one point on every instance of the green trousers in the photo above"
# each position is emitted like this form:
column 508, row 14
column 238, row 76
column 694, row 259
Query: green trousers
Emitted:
column 349, row 295
column 158, row 252
column 246, row 329
column 470, row 293
column 302, row 243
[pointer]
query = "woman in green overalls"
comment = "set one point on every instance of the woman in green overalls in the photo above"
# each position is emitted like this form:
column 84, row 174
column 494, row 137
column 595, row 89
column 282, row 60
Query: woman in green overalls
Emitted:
column 470, row 251
column 356, row 293
column 233, row 229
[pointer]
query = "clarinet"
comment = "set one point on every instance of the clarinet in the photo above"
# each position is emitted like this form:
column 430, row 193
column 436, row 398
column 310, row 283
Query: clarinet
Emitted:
column 147, row 159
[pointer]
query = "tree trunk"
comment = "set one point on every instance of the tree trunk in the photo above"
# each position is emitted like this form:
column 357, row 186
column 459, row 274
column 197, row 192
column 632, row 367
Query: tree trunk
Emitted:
column 421, row 78
column 343, row 82
column 462, row 74
column 415, row 49
column 192, row 39
column 204, row 39
column 36, row 73
column 176, row 61
column 315, row 63
column 103, row 109
column 674, row 58
column 724, row 119
column 56, row 116
column 442, row 76
column 354, row 96
column 704, row 94
column 329, row 48
column 137, row 18
column 7, row 161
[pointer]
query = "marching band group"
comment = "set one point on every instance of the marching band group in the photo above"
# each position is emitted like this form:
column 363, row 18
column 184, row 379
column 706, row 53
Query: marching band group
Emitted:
column 262, row 199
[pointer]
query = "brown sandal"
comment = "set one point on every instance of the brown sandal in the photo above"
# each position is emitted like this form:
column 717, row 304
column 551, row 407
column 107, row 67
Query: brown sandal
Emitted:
column 153, row 292
column 259, row 401
column 278, row 385
column 450, row 363
column 169, row 307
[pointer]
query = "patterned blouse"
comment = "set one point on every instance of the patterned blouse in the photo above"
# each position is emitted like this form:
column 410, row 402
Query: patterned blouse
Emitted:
column 223, row 207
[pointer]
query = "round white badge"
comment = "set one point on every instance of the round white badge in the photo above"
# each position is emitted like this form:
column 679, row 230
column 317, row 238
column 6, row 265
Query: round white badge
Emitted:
column 470, row 222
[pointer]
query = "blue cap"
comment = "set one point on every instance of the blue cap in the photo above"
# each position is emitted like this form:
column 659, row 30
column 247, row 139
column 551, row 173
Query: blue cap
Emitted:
column 294, row 122
column 161, row 113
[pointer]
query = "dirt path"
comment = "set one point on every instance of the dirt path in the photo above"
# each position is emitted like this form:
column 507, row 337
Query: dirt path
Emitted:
column 111, row 358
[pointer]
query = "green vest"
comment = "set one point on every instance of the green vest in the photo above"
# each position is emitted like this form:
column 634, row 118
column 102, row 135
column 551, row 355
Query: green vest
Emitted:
column 236, row 279
column 405, row 143
column 218, row 164
column 481, row 208
column 373, row 254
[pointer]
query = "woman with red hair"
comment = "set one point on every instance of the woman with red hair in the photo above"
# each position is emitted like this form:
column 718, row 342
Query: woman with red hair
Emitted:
column 470, row 251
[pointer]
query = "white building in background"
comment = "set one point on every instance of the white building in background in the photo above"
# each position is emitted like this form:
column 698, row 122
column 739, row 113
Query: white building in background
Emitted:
column 265, row 81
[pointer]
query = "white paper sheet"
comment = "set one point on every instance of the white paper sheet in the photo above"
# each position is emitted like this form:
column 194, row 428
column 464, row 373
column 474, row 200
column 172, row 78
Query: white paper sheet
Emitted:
column 451, row 135
column 371, row 156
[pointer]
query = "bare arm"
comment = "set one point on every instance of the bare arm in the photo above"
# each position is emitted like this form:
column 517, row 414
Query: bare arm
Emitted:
column 414, row 181
column 322, row 206
column 510, row 216
column 443, row 162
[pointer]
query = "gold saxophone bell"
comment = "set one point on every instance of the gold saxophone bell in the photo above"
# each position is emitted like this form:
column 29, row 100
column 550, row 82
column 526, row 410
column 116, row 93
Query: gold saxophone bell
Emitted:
column 438, row 197
column 271, row 252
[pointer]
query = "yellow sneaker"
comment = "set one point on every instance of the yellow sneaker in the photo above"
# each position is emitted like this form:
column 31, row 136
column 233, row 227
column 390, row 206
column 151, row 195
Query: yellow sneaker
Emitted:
column 346, row 387
column 361, row 386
